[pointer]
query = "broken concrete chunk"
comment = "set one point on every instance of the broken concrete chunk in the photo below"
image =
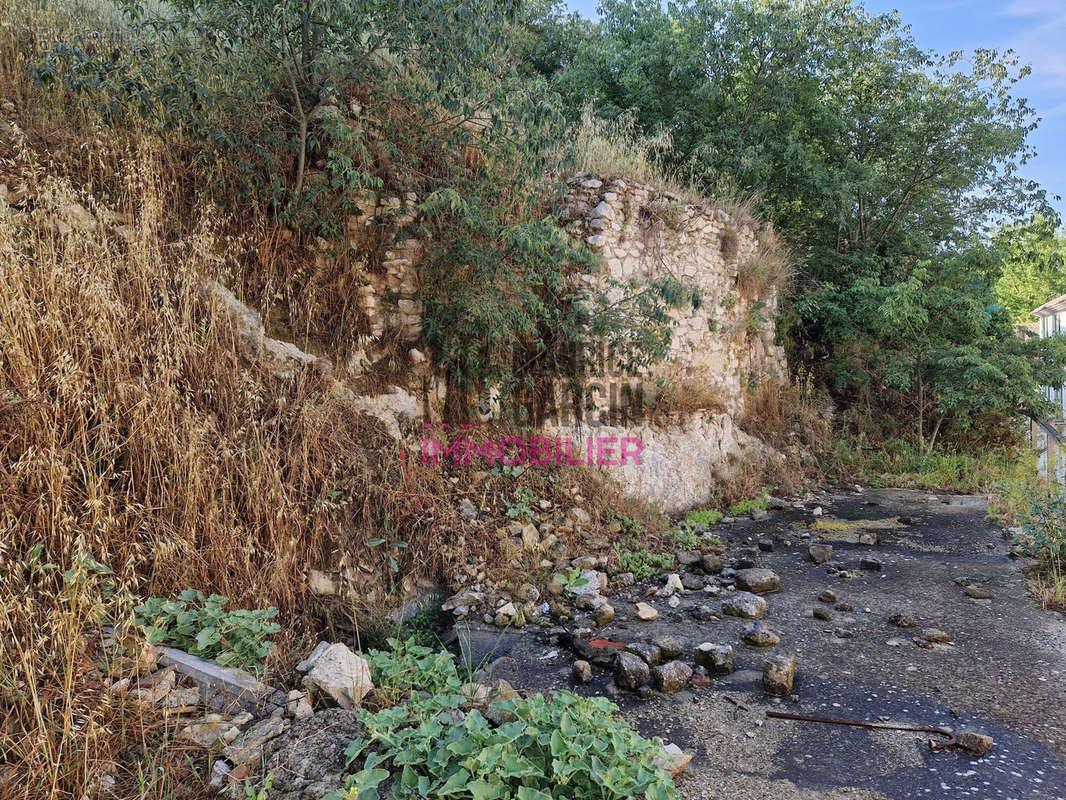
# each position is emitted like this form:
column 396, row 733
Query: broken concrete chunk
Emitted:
column 340, row 675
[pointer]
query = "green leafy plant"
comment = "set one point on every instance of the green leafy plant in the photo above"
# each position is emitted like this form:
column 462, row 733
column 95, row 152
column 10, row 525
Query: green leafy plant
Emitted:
column 200, row 625
column 521, row 506
column 557, row 746
column 704, row 516
column 570, row 580
column 627, row 524
column 634, row 557
column 1044, row 532
column 392, row 547
column 263, row 793
column 684, row 536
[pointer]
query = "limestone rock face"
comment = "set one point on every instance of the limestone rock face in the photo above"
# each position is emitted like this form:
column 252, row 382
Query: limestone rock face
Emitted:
column 340, row 675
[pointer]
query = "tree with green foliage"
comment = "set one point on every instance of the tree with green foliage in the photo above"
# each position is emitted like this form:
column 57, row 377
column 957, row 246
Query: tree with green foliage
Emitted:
column 1034, row 266
column 937, row 349
column 875, row 158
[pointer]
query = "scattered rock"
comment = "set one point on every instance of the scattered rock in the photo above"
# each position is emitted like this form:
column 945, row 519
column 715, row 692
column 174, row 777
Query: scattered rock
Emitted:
column 704, row 613
column 716, row 658
column 828, row 596
column 308, row 761
column 595, row 582
column 820, row 553
column 646, row 612
column 321, row 583
column 903, row 619
column 758, row 514
column 766, row 545
column 603, row 614
column 674, row 601
column 758, row 580
column 582, row 671
column 298, row 705
column 669, row 646
column 467, row 510
column 744, row 605
column 651, row 654
column 778, row 673
column 870, row 565
column 181, row 701
column 672, row 676
column 220, row 771
column 845, row 607
column 530, row 536
column 711, row 564
column 579, row 516
column 975, row 744
column 631, row 671
column 247, row 748
column 693, row 582
column 340, row 675
column 207, row 731
column 935, row 635
column 687, row 558
column 673, row 584
column 822, row 613
column 758, row 635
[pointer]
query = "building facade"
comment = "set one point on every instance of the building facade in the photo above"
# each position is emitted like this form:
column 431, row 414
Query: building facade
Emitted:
column 1048, row 435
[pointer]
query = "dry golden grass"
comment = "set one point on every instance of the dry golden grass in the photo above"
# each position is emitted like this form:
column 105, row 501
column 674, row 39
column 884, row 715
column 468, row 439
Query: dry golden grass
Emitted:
column 131, row 430
column 768, row 270
column 788, row 416
column 673, row 397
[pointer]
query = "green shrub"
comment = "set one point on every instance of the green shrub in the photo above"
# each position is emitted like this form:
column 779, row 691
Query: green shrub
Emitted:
column 557, row 746
column 1045, row 532
column 704, row 516
column 200, row 625
column 745, row 507
column 521, row 506
column 634, row 557
column 685, row 537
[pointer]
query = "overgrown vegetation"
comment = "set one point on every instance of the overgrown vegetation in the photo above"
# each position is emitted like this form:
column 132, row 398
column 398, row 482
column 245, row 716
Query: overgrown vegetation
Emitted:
column 636, row 558
column 704, row 516
column 557, row 746
column 884, row 164
column 200, row 625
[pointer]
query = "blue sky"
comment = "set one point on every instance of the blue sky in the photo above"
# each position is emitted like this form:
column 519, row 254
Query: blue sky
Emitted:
column 1035, row 29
